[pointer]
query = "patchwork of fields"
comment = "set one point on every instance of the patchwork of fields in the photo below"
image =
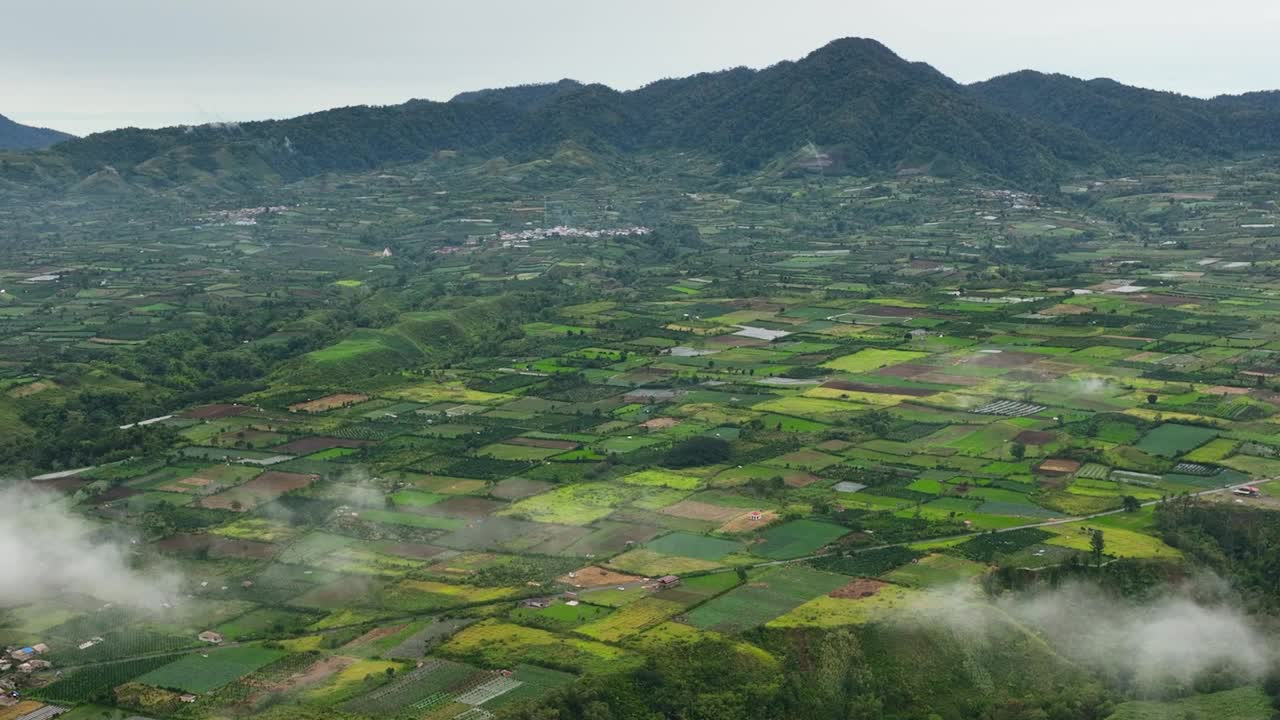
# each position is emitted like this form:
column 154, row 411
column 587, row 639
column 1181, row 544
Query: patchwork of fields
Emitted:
column 484, row 469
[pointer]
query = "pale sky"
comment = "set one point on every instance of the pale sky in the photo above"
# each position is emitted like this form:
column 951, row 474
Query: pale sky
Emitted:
column 88, row 65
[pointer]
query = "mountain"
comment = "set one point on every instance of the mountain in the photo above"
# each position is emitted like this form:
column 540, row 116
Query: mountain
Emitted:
column 871, row 110
column 14, row 136
column 347, row 139
column 521, row 97
column 852, row 107
column 853, row 102
column 1137, row 121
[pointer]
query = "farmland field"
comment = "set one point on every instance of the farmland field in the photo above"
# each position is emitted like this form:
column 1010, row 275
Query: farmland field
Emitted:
column 198, row 673
column 416, row 407
column 797, row 538
column 495, row 644
column 763, row 598
column 81, row 685
column 865, row 360
column 1171, row 439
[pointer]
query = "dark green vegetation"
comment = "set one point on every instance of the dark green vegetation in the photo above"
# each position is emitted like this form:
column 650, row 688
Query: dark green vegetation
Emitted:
column 414, row 453
column 851, row 107
column 16, row 136
column 1137, row 120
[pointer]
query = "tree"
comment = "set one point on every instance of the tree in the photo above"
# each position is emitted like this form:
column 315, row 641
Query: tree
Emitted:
column 1018, row 451
column 1152, row 398
column 877, row 422
column 1097, row 544
column 1131, row 504
column 698, row 450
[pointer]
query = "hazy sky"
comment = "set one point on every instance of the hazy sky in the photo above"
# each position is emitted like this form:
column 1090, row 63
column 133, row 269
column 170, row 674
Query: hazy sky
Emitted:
column 87, row 65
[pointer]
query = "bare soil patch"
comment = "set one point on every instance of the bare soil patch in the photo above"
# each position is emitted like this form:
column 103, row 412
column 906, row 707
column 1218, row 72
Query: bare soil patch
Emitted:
column 212, row 412
column 695, row 510
column 745, row 523
column 195, row 483
column 1035, row 437
column 329, row 402
column 66, row 485
column 858, row 589
column 942, row 378
column 1058, row 466
column 799, row 479
column 373, row 636
column 118, row 492
column 31, row 389
column 315, row 674
column 219, row 546
column 519, row 488
column 594, row 576
column 264, row 488
column 906, row 370
column 464, row 506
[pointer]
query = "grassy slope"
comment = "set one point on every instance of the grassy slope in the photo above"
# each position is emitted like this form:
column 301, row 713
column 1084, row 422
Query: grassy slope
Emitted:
column 953, row 668
column 1246, row 703
column 416, row 338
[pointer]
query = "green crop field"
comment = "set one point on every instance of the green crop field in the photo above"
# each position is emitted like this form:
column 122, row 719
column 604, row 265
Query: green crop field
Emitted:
column 199, row 673
column 82, row 685
column 797, row 538
column 684, row 544
column 763, row 598
column 1171, row 439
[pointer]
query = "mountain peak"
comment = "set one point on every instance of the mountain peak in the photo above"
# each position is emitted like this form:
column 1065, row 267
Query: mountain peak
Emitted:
column 851, row 46
column 522, row 97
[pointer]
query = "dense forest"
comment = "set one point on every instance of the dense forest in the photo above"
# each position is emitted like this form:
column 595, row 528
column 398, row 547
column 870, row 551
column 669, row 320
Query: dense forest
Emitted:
column 852, row 106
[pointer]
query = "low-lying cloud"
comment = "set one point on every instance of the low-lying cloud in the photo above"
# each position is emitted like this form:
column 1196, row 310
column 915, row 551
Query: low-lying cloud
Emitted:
column 50, row 551
column 1151, row 649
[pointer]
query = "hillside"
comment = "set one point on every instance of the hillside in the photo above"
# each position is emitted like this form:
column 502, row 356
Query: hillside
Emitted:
column 1133, row 120
column 850, row 107
column 16, row 136
column 866, row 108
column 889, row 670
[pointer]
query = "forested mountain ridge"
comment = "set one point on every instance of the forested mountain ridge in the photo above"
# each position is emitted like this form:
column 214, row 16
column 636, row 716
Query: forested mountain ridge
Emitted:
column 1136, row 121
column 520, row 97
column 852, row 106
column 16, row 136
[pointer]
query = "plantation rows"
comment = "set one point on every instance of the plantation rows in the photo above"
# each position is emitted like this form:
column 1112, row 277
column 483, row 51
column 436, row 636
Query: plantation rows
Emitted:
column 423, row 688
column 124, row 643
column 984, row 548
column 868, row 564
column 81, row 685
